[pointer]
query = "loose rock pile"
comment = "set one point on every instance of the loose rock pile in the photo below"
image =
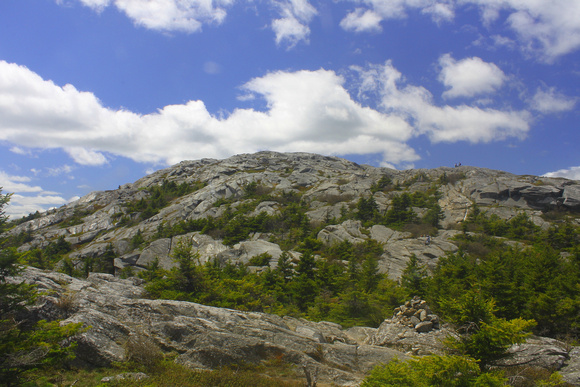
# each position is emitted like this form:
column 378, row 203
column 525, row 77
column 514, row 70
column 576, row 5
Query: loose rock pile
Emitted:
column 416, row 314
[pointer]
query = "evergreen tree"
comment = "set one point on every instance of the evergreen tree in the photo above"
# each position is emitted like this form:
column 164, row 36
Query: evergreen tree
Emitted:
column 400, row 211
column 367, row 209
column 188, row 276
column 482, row 335
column 284, row 268
column 414, row 278
column 24, row 348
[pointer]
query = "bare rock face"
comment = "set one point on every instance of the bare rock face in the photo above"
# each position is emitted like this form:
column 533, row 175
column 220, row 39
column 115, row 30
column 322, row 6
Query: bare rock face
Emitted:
column 571, row 370
column 205, row 337
column 327, row 186
column 540, row 352
column 347, row 231
column 208, row 337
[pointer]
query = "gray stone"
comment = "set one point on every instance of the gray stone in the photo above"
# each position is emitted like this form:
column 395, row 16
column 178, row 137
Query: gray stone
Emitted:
column 158, row 249
column 327, row 184
column 205, row 337
column 349, row 231
column 571, row 196
column 537, row 351
column 424, row 326
column 571, row 370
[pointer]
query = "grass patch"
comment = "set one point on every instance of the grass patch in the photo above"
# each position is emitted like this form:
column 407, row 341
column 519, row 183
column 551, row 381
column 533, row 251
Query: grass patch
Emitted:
column 167, row 373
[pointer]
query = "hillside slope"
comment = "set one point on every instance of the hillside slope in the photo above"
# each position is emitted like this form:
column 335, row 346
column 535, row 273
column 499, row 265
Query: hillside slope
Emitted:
column 326, row 188
column 220, row 261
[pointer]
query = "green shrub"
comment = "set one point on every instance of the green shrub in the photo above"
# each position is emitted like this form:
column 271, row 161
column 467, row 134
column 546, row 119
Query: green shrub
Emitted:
column 442, row 371
column 260, row 260
column 142, row 351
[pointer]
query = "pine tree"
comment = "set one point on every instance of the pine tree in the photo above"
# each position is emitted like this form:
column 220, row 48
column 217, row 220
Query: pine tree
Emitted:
column 414, row 278
column 24, row 349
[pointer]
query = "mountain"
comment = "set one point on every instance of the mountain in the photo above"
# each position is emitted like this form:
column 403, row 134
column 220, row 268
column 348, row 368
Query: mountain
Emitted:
column 253, row 213
column 325, row 186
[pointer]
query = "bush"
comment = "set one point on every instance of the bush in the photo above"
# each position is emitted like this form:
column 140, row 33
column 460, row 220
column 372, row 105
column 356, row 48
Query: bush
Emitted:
column 260, row 260
column 142, row 351
column 482, row 335
column 432, row 371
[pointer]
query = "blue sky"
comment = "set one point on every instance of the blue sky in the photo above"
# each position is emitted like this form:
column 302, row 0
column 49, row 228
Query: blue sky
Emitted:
column 97, row 93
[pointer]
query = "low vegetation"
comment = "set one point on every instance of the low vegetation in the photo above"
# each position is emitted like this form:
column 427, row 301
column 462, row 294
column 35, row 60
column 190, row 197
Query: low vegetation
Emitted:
column 509, row 279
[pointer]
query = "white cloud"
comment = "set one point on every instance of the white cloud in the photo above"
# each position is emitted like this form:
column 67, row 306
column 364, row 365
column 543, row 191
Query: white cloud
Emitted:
column 21, row 151
column 572, row 173
column 378, row 10
column 292, row 27
column 442, row 123
column 97, row 5
column 362, row 21
column 26, row 198
column 168, row 15
column 57, row 171
column 550, row 101
column 469, row 77
column 440, row 12
column 308, row 111
column 546, row 28
column 85, row 156
column 11, row 183
column 290, row 30
column 502, row 41
column 21, row 205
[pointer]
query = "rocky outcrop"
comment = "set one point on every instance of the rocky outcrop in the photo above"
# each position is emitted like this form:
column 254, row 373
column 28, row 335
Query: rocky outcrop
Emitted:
column 327, row 185
column 207, row 337
column 571, row 370
column 204, row 337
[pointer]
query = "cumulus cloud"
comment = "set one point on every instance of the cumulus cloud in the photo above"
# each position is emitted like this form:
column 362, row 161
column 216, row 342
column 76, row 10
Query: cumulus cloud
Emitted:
column 10, row 183
column 441, row 123
column 550, row 101
column 290, row 30
column 572, row 173
column 369, row 18
column 292, row 27
column 361, row 20
column 440, row 12
column 20, row 151
column 545, row 28
column 21, row 205
column 469, row 77
column 57, row 171
column 167, row 15
column 306, row 110
column 28, row 197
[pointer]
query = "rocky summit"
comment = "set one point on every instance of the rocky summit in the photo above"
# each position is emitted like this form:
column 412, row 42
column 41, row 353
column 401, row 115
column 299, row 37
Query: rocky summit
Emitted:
column 326, row 185
column 143, row 224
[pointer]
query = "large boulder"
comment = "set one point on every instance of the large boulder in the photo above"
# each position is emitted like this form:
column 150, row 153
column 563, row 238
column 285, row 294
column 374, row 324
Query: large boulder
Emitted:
column 397, row 253
column 571, row 370
column 349, row 230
